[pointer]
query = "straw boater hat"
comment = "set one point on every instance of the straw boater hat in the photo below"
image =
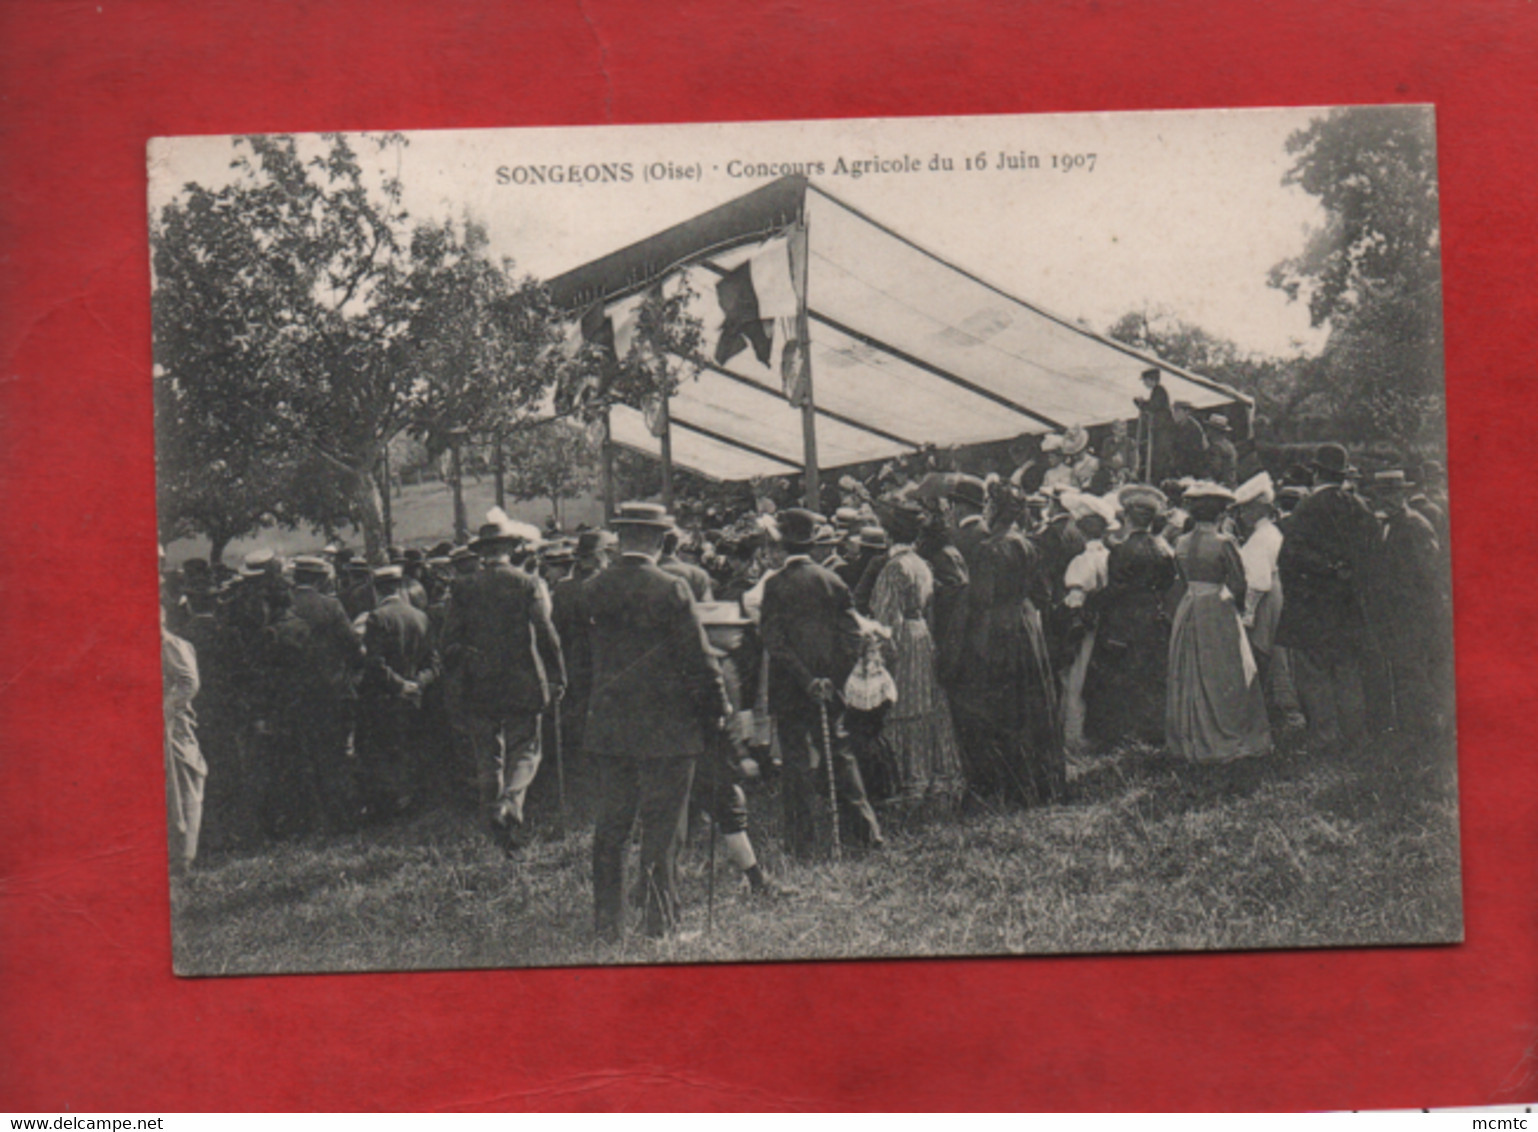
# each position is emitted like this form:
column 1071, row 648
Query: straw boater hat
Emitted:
column 1206, row 489
column 652, row 515
column 257, row 563
column 1052, row 442
column 1392, row 478
column 1257, row 487
column 873, row 538
column 1142, row 495
column 309, row 566
column 826, row 535
column 1075, row 440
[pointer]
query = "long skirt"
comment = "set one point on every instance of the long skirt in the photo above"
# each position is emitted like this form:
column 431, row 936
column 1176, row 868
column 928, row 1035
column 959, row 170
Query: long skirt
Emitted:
column 1215, row 709
column 918, row 726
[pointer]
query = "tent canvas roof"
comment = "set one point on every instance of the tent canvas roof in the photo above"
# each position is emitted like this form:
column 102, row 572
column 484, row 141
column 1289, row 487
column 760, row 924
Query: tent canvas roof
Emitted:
column 906, row 348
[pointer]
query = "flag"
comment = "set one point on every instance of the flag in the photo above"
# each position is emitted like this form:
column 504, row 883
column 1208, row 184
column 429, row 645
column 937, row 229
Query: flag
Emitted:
column 742, row 325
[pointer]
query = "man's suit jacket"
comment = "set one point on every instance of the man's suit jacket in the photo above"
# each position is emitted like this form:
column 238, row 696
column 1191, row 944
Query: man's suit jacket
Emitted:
column 332, row 652
column 398, row 639
column 498, row 638
column 656, row 686
column 809, row 633
column 695, row 576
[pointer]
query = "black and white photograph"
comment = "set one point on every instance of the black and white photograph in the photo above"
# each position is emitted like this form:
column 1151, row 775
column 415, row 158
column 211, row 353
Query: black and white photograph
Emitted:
column 803, row 540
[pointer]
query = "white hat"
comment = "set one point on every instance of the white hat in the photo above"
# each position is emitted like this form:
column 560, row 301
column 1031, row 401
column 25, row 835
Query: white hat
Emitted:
column 1075, row 440
column 1052, row 442
column 1206, row 489
column 1081, row 503
column 1258, row 486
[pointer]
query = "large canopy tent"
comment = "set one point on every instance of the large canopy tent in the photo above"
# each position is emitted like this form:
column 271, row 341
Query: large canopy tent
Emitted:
column 905, row 349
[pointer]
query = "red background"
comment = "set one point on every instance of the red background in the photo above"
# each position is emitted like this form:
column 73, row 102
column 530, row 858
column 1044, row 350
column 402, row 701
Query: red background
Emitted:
column 90, row 1015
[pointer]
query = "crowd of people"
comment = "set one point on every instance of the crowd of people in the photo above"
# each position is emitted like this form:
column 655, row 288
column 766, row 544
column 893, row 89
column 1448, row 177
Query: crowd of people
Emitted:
column 945, row 644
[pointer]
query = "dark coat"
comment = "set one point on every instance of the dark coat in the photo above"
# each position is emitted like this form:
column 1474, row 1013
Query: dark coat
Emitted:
column 969, row 540
column 809, row 634
column 569, row 612
column 1328, row 555
column 656, row 688
column 398, row 640
column 332, row 652
column 498, row 637
column 1188, row 449
column 695, row 576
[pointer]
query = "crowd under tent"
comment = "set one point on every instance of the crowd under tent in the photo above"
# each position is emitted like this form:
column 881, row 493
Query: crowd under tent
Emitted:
column 833, row 340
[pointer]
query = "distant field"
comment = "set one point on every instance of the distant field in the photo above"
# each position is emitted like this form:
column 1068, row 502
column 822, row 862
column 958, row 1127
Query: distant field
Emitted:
column 1148, row 854
column 422, row 515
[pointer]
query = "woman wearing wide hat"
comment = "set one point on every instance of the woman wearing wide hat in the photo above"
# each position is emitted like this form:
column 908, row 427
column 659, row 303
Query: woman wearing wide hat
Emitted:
column 1215, row 709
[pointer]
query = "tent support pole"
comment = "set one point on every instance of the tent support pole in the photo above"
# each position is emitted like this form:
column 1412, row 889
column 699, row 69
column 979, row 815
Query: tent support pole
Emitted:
column 608, row 469
column 666, row 443
column 800, row 248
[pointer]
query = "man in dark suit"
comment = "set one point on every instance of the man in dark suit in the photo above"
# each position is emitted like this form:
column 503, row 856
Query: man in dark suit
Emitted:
column 812, row 640
column 400, row 666
column 312, row 655
column 1328, row 554
column 968, row 498
column 499, row 641
column 697, row 579
column 656, row 693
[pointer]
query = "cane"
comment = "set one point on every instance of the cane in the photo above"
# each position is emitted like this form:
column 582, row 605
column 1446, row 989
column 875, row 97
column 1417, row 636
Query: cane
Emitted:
column 560, row 764
column 827, row 747
column 710, row 876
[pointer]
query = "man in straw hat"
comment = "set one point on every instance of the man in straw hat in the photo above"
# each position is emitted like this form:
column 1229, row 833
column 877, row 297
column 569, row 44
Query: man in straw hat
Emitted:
column 499, row 642
column 812, row 640
column 1326, row 556
column 657, row 694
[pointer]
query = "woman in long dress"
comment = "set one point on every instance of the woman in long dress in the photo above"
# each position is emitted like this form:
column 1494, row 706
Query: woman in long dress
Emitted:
column 1124, row 692
column 918, row 726
column 1215, row 710
column 1006, row 683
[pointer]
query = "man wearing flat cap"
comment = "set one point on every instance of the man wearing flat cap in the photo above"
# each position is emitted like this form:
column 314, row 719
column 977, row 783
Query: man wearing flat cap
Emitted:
column 657, row 694
column 1331, row 541
column 501, row 645
column 812, row 640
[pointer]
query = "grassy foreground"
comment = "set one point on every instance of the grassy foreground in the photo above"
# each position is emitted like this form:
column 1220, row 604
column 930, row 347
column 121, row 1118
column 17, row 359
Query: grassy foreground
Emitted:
column 1147, row 854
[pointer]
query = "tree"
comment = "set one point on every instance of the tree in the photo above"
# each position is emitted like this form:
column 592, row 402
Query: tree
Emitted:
column 297, row 316
column 553, row 461
column 1373, row 271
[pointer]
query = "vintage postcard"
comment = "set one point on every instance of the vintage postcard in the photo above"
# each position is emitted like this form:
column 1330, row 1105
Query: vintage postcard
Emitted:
column 802, row 540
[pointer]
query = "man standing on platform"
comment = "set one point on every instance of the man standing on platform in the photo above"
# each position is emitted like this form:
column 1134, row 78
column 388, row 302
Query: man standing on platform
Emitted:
column 812, row 639
column 656, row 693
column 499, row 642
column 1156, row 429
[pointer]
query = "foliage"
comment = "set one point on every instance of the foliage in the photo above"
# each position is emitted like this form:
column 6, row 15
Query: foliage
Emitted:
column 1373, row 271
column 301, row 325
column 554, row 461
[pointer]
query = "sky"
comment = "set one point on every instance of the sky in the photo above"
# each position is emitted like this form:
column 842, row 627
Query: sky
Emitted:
column 1180, row 211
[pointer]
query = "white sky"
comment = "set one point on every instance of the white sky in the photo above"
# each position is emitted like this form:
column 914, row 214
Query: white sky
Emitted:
column 1184, row 210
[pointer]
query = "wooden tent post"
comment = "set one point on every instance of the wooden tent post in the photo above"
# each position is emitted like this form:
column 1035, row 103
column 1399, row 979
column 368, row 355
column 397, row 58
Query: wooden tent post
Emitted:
column 666, row 442
column 813, row 485
column 500, row 467
column 608, row 469
column 461, row 521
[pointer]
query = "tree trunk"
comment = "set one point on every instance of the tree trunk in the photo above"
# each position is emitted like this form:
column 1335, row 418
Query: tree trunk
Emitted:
column 461, row 521
column 384, row 498
column 501, row 465
column 366, row 510
column 216, row 545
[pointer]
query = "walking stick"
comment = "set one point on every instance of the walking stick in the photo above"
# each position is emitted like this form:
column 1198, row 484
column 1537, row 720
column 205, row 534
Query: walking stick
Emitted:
column 710, row 876
column 827, row 748
column 560, row 764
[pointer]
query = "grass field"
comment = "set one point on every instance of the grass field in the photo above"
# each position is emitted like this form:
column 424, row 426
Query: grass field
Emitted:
column 1146, row 854
column 421, row 514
